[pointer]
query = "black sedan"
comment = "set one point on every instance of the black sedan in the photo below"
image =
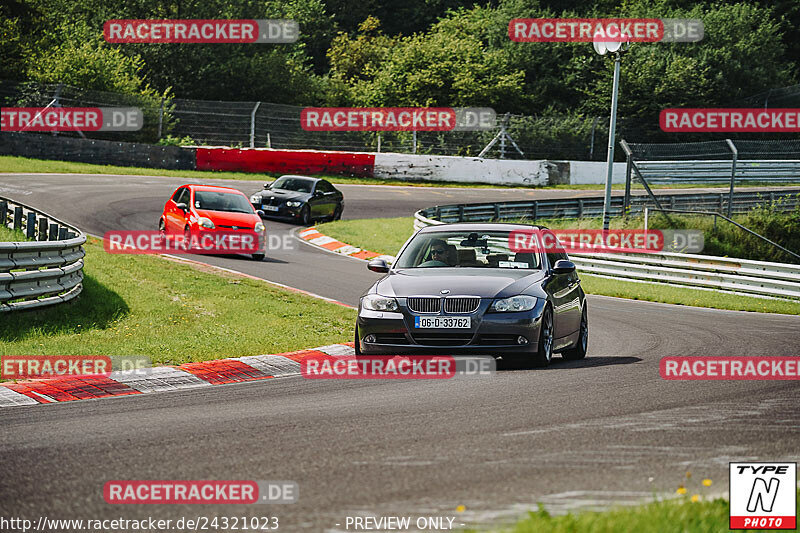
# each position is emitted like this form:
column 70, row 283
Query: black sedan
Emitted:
column 300, row 198
column 473, row 289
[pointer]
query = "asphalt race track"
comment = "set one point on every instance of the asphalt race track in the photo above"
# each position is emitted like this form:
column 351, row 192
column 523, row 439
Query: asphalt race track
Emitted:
column 575, row 435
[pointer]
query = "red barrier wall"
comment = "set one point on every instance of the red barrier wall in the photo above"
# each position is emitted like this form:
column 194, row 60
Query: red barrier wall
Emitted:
column 286, row 161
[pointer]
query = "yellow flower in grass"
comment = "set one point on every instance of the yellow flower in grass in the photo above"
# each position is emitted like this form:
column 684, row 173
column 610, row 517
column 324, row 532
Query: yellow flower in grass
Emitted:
column 460, row 508
column 681, row 490
column 695, row 498
column 707, row 482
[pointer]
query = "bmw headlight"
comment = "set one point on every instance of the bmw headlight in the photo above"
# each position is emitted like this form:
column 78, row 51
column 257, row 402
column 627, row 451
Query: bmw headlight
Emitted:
column 293, row 203
column 514, row 304
column 259, row 227
column 205, row 223
column 255, row 199
column 376, row 302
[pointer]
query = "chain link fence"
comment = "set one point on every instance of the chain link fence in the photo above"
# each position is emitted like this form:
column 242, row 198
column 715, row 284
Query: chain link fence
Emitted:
column 267, row 125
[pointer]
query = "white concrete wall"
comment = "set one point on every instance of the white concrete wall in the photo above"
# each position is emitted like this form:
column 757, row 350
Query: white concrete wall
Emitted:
column 412, row 167
column 585, row 172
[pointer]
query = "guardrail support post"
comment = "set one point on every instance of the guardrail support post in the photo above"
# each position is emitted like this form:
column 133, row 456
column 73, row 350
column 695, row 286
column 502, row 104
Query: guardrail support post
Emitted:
column 626, row 201
column 43, row 225
column 3, row 212
column 160, row 118
column 62, row 234
column 53, row 232
column 30, row 227
column 17, row 217
column 735, row 153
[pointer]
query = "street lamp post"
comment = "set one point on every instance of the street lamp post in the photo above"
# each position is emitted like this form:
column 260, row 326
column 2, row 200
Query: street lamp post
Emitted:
column 616, row 48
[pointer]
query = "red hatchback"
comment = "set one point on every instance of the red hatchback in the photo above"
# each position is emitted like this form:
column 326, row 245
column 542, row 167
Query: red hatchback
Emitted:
column 197, row 209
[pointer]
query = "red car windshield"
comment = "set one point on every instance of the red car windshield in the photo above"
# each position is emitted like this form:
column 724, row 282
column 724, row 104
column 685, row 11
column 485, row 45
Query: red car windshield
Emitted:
column 222, row 201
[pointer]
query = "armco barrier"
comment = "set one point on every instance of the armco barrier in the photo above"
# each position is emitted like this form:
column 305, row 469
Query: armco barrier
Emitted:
column 758, row 278
column 37, row 273
column 533, row 210
column 285, row 161
column 98, row 152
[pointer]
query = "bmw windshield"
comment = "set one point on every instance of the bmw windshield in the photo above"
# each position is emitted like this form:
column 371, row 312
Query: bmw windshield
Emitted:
column 443, row 249
column 293, row 184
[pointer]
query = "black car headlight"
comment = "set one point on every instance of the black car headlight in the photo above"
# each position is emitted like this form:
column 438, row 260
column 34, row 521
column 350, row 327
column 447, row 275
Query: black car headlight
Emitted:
column 514, row 304
column 376, row 302
column 293, row 203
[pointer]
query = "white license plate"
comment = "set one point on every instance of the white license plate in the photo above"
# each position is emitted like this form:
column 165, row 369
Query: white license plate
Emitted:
column 442, row 322
column 269, row 207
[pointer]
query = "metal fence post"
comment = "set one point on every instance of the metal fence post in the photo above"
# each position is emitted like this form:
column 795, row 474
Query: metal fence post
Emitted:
column 160, row 118
column 253, row 125
column 591, row 146
column 17, row 217
column 3, row 212
column 414, row 141
column 735, row 153
column 379, row 142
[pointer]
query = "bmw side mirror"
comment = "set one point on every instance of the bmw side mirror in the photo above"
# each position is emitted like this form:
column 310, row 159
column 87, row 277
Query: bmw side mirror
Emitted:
column 268, row 185
column 182, row 206
column 563, row 266
column 378, row 265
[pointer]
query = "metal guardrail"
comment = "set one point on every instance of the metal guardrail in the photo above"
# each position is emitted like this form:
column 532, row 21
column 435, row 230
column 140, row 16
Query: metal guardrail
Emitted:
column 40, row 272
column 785, row 200
column 719, row 171
column 757, row 278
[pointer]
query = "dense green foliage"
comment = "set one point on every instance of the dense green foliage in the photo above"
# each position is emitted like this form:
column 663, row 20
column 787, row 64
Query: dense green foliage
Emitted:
column 410, row 52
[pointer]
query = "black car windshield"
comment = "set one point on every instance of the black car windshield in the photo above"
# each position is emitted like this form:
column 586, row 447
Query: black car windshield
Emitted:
column 222, row 201
column 288, row 183
column 483, row 249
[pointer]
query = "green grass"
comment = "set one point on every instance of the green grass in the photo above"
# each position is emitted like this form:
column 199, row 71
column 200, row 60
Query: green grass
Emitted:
column 13, row 164
column 387, row 235
column 382, row 235
column 9, row 235
column 671, row 516
column 173, row 313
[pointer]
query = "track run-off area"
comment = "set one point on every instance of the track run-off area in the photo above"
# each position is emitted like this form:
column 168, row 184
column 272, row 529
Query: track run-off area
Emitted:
column 593, row 433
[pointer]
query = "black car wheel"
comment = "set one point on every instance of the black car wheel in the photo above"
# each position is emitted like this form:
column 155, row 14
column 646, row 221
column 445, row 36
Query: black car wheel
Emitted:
column 337, row 215
column 579, row 351
column 162, row 227
column 544, row 353
column 187, row 237
column 305, row 215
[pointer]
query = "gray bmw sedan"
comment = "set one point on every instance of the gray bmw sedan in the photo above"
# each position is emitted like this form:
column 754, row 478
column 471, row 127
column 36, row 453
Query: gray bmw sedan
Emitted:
column 490, row 288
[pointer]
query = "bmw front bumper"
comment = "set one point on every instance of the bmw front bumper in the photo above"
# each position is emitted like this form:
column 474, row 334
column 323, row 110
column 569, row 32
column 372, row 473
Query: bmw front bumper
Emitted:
column 394, row 333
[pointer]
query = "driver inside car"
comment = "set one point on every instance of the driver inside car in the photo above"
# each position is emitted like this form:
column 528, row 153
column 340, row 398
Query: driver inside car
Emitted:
column 438, row 255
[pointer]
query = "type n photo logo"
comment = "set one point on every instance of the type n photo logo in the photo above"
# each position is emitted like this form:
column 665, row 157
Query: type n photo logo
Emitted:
column 763, row 495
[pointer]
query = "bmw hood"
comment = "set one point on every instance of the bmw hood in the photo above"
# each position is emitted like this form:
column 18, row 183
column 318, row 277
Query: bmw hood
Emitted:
column 281, row 194
column 483, row 282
